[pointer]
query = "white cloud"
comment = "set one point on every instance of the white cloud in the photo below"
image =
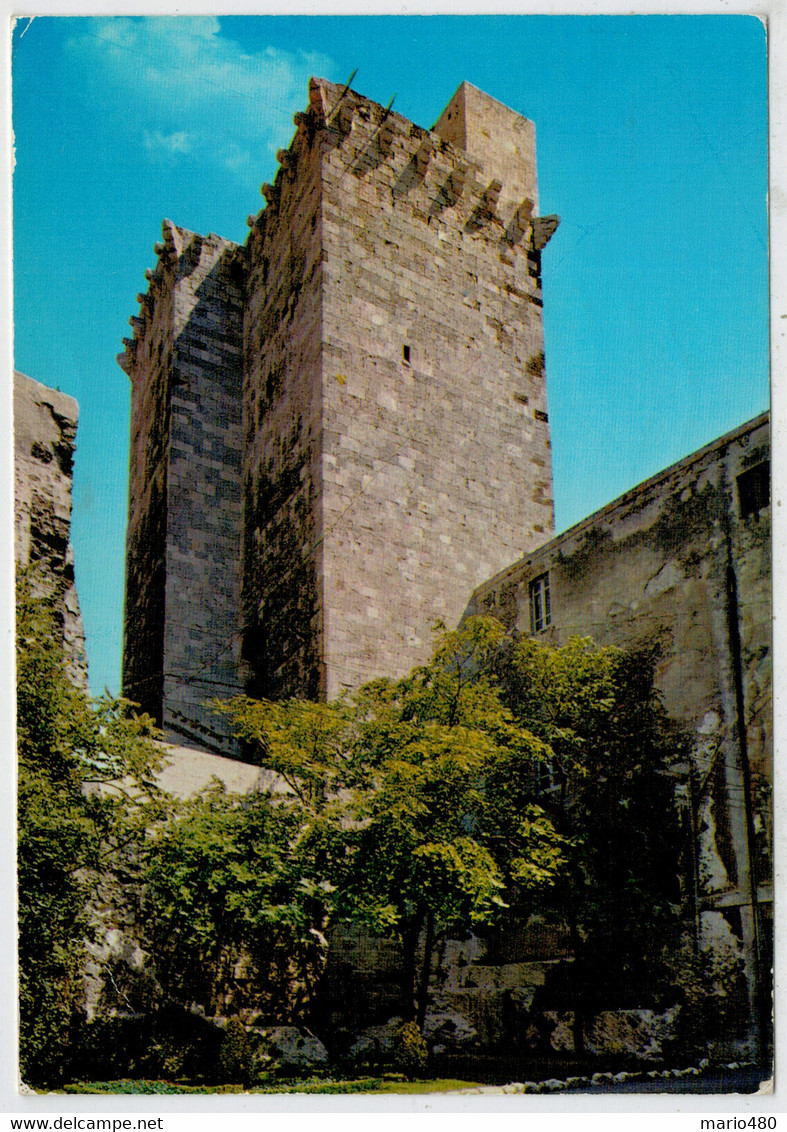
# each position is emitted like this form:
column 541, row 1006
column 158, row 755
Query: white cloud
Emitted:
column 178, row 142
column 189, row 89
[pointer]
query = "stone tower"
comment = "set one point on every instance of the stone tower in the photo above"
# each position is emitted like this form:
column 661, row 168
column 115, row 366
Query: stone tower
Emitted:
column 396, row 444
column 394, row 449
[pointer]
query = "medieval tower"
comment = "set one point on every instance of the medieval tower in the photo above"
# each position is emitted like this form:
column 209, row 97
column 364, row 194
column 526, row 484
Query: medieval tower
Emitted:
column 340, row 429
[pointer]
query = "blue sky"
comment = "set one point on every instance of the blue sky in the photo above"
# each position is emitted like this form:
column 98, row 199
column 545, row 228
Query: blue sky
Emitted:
column 652, row 147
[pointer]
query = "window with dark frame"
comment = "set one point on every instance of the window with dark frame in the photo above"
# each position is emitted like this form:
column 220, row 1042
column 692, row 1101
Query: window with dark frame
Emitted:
column 540, row 608
column 544, row 777
column 754, row 489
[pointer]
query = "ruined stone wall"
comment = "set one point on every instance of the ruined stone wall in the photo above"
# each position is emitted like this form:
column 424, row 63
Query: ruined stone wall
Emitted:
column 683, row 562
column 182, row 638
column 45, row 425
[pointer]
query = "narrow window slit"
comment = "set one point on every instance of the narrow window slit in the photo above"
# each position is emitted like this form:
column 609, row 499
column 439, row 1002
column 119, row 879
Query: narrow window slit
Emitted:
column 540, row 605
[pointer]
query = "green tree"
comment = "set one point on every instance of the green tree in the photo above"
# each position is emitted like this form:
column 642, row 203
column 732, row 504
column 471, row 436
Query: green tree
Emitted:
column 86, row 794
column 239, row 889
column 234, row 1054
column 411, row 1053
column 502, row 777
column 402, row 786
column 609, row 788
column 443, row 837
column 235, row 905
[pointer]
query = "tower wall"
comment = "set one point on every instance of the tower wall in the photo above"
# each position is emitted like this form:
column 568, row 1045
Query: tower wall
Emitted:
column 282, row 346
column 182, row 639
column 435, row 431
column 148, row 362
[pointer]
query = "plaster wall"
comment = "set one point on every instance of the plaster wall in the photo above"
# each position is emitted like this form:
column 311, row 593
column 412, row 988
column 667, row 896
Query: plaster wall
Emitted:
column 682, row 563
column 653, row 568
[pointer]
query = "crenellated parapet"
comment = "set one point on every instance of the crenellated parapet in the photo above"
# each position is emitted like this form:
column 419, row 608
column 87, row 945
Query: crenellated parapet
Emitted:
column 166, row 252
column 179, row 254
column 478, row 160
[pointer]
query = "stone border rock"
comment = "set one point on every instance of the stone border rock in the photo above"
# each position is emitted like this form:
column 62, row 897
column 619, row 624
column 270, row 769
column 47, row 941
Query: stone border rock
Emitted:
column 553, row 1085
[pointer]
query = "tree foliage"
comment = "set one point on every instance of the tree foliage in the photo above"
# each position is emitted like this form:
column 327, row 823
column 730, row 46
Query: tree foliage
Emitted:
column 234, row 1054
column 501, row 778
column 609, row 788
column 411, row 788
column 235, row 906
column 411, row 1053
column 71, row 826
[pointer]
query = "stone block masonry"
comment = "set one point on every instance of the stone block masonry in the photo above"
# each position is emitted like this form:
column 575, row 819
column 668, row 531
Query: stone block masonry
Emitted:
column 382, row 332
column 282, row 424
column 182, row 639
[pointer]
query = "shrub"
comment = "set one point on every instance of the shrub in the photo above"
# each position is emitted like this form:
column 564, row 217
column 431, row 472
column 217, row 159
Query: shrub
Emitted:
column 234, row 1055
column 411, row 1051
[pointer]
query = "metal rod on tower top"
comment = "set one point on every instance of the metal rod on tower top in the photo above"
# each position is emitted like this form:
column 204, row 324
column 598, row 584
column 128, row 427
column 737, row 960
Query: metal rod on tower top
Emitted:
column 347, row 86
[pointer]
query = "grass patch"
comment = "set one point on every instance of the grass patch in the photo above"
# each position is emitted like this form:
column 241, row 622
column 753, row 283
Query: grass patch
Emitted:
column 389, row 1085
column 141, row 1088
column 438, row 1085
column 370, row 1085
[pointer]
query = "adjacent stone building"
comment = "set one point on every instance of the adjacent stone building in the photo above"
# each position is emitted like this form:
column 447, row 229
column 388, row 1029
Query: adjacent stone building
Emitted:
column 384, row 322
column 45, row 425
column 682, row 563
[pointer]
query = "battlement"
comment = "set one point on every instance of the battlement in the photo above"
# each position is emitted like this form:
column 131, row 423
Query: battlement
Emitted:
column 179, row 254
column 487, row 156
